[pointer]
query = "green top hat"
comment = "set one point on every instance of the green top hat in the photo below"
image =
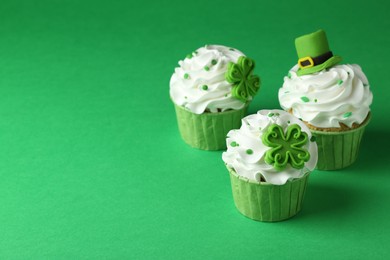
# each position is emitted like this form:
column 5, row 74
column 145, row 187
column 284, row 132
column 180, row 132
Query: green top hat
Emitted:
column 313, row 53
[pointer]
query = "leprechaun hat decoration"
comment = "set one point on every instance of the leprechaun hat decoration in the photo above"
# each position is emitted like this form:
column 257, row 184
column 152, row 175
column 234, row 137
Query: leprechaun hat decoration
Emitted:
column 313, row 53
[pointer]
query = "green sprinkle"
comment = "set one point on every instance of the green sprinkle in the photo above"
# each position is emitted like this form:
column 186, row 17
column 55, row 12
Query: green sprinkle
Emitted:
column 288, row 122
column 234, row 144
column 289, row 75
column 231, row 49
column 205, row 87
column 277, row 114
column 189, row 56
column 348, row 114
column 365, row 85
column 315, row 100
column 195, row 52
column 226, row 95
column 249, row 151
column 312, row 138
column 185, row 97
column 286, row 92
column 271, row 114
column 206, row 68
column 340, row 82
column 305, row 99
column 186, row 76
column 213, row 62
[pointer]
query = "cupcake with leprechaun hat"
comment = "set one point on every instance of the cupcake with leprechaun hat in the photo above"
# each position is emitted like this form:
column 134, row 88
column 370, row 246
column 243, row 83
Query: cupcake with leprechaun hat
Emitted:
column 211, row 90
column 332, row 99
column 269, row 160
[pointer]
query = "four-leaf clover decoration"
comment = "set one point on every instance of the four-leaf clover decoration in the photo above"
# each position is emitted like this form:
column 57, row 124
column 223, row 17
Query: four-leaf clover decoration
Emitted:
column 245, row 84
column 286, row 147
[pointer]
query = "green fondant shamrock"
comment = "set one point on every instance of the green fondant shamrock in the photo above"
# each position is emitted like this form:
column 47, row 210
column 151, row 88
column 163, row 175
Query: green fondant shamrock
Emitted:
column 286, row 148
column 245, row 84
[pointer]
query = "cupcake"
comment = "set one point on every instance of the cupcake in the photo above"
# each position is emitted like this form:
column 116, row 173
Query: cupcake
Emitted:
column 269, row 160
column 332, row 99
column 211, row 91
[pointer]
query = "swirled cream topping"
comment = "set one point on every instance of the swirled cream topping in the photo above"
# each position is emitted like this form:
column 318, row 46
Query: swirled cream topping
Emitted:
column 340, row 94
column 199, row 84
column 272, row 145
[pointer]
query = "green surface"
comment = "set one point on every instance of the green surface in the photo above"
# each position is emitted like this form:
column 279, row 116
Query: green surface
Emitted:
column 92, row 164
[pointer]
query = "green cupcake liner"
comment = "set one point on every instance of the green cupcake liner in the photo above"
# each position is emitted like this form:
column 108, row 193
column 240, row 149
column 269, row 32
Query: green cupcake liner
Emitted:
column 208, row 131
column 267, row 202
column 338, row 150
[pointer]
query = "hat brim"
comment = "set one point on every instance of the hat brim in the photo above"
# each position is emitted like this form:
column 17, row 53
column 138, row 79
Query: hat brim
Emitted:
column 329, row 63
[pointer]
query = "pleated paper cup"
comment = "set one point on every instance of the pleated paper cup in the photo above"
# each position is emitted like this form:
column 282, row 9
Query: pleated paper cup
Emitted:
column 208, row 131
column 263, row 201
column 338, row 150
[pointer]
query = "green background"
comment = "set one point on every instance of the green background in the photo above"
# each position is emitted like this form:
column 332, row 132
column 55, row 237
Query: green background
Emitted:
column 92, row 165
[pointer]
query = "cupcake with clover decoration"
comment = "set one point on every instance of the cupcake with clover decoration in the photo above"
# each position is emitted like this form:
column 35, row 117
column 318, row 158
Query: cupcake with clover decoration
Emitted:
column 332, row 99
column 269, row 160
column 211, row 91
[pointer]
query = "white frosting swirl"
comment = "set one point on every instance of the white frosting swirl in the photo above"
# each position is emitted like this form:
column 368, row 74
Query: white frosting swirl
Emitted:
column 340, row 94
column 199, row 83
column 252, row 165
